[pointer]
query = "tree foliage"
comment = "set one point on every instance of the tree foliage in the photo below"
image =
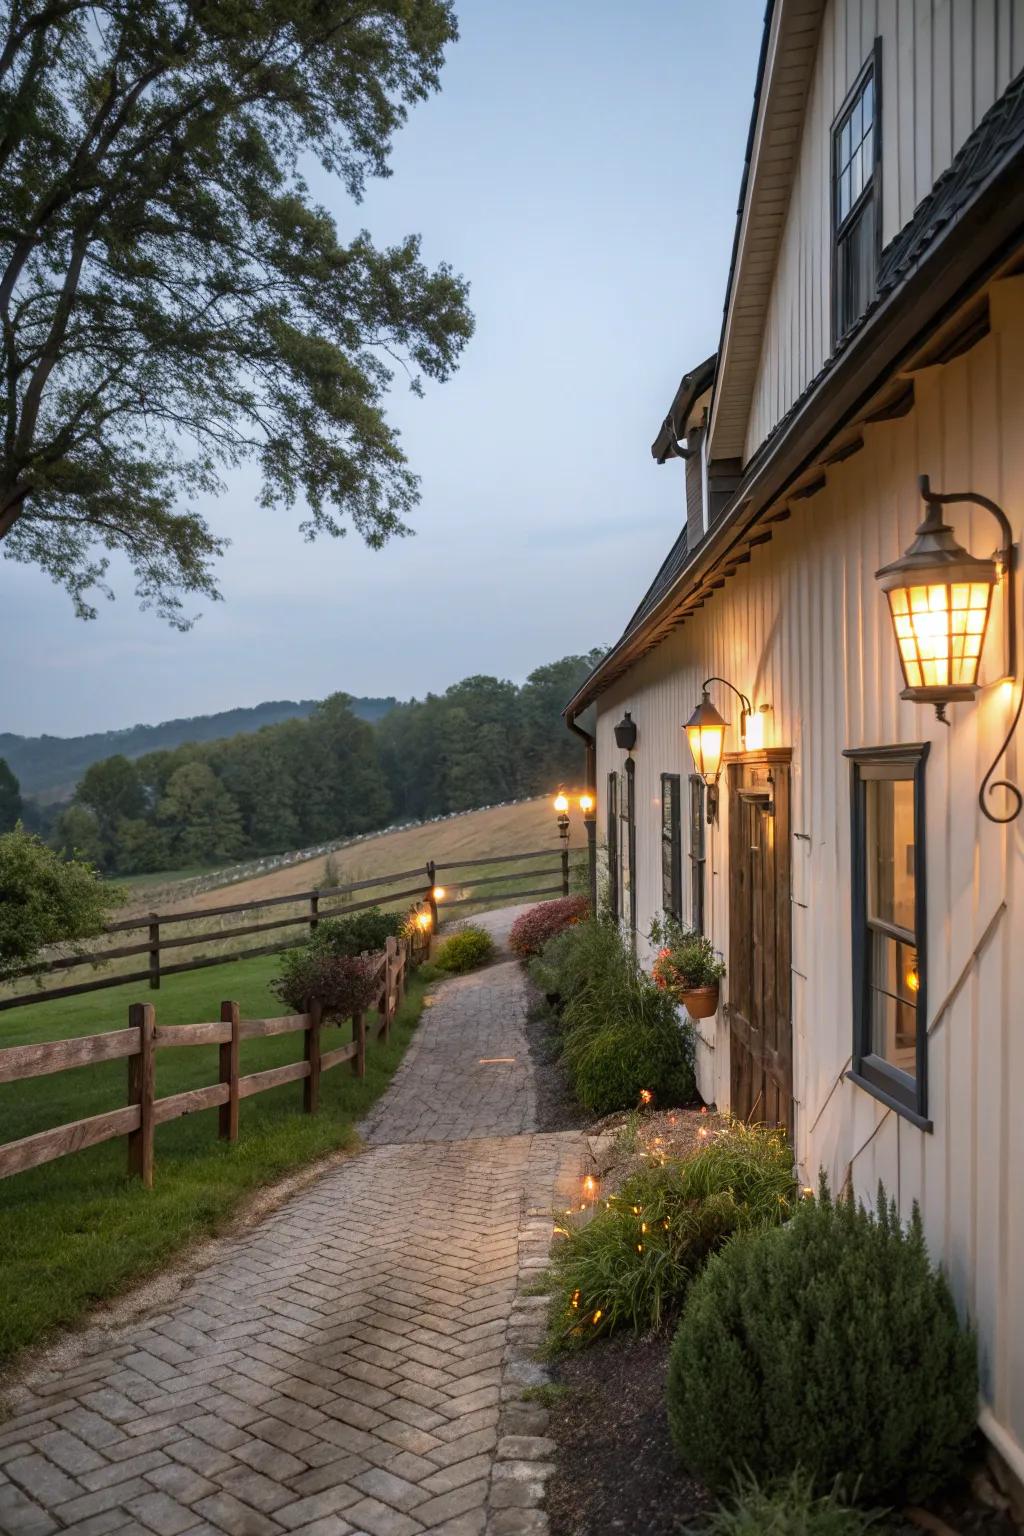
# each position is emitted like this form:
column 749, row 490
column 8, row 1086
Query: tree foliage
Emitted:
column 330, row 776
column 172, row 298
column 10, row 799
column 46, row 900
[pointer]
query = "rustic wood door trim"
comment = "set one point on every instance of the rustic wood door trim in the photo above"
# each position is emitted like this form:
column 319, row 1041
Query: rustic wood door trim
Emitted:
column 759, row 1010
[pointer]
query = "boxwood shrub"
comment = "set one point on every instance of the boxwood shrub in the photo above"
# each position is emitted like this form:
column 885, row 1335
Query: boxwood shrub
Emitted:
column 465, row 950
column 831, row 1345
column 359, row 933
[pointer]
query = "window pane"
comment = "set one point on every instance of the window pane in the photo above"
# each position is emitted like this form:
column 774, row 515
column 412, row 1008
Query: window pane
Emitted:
column 856, row 177
column 894, row 982
column 868, row 101
column 890, row 830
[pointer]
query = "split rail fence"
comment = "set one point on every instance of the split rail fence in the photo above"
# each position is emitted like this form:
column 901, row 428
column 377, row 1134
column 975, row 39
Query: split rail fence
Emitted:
column 317, row 905
column 144, row 1038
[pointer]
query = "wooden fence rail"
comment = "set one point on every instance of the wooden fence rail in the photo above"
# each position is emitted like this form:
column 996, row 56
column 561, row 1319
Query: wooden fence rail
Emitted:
column 144, row 1038
column 156, row 942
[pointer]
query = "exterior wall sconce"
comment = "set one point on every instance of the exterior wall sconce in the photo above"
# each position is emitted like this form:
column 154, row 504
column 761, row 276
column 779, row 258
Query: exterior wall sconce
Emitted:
column 940, row 602
column 705, row 733
column 588, row 805
column 625, row 733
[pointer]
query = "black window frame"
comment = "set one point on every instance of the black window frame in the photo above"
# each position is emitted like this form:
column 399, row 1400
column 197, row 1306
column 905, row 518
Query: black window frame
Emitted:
column 870, row 193
column 672, row 847
column 906, row 1095
column 612, row 833
column 698, row 850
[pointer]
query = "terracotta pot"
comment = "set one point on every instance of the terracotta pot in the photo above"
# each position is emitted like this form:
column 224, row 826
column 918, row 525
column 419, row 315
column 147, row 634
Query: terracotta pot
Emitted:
column 700, row 1002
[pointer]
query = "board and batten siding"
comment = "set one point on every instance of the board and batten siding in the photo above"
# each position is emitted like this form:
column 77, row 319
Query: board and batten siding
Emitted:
column 804, row 628
column 944, row 63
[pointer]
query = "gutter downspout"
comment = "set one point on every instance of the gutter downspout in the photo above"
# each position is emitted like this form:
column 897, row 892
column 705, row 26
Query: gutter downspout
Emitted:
column 590, row 821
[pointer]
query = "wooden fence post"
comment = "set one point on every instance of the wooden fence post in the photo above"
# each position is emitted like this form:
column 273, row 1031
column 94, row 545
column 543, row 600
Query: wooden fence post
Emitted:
column 432, row 877
column 154, row 951
column 359, row 1038
column 230, row 1013
column 314, row 908
column 311, row 1084
column 142, row 1091
column 390, row 947
column 565, row 866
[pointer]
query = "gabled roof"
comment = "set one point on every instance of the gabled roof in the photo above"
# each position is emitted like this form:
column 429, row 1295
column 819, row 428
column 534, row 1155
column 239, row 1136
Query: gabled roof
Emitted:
column 970, row 225
column 785, row 71
column 691, row 387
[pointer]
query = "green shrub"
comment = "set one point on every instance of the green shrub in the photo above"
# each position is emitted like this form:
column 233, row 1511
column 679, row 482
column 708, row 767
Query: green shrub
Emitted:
column 581, row 959
column 791, row 1508
column 465, row 950
column 625, row 1039
column 631, row 1265
column 828, row 1344
column 46, row 900
column 362, row 932
column 341, row 984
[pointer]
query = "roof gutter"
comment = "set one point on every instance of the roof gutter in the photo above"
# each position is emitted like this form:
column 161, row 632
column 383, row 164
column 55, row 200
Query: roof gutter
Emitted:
column 590, row 742
column 968, row 253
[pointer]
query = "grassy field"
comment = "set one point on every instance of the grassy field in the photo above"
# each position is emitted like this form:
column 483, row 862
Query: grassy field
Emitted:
column 78, row 1230
column 528, row 827
column 525, row 828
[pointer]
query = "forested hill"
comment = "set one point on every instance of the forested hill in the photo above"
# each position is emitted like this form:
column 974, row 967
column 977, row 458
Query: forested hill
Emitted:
column 50, row 766
column 326, row 776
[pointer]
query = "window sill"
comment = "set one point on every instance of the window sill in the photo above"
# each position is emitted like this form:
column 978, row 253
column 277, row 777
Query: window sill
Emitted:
column 891, row 1101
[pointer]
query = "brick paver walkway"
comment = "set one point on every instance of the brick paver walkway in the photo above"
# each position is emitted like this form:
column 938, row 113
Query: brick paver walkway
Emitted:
column 355, row 1362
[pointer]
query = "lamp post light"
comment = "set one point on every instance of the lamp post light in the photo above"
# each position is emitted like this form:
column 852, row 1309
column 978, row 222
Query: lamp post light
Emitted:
column 562, row 811
column 705, row 733
column 588, row 805
column 940, row 602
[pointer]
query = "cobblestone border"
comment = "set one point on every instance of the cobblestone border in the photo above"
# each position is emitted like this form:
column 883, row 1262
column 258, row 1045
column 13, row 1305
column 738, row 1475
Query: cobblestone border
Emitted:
column 524, row 1453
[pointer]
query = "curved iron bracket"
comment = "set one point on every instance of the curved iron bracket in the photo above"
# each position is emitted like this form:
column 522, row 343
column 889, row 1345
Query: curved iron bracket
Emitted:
column 1007, row 558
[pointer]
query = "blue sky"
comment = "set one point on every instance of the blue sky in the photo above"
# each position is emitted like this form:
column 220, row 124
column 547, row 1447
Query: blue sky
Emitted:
column 581, row 166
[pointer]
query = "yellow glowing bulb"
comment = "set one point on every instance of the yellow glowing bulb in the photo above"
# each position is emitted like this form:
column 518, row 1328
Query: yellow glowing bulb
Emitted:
column 913, row 980
column 586, row 804
column 561, row 803
column 438, row 893
column 753, row 738
column 424, row 920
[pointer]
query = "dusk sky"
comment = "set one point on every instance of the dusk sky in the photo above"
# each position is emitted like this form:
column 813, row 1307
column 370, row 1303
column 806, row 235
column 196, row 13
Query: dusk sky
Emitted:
column 581, row 167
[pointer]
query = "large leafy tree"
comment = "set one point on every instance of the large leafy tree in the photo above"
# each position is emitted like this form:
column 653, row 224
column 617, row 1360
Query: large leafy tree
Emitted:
column 172, row 298
column 10, row 798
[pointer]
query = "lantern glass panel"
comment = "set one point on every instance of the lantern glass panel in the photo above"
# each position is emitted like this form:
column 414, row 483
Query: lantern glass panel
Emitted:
column 940, row 630
column 706, row 743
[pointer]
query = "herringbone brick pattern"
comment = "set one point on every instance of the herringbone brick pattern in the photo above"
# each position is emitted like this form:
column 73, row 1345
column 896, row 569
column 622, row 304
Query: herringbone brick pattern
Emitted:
column 339, row 1368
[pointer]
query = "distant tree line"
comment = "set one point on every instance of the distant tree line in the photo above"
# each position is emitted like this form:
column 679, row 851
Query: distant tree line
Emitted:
column 331, row 775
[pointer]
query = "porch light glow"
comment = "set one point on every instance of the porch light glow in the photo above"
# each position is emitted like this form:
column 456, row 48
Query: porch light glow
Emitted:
column 562, row 803
column 423, row 919
column 438, row 893
column 940, row 599
column 705, row 733
column 753, row 737
column 586, row 804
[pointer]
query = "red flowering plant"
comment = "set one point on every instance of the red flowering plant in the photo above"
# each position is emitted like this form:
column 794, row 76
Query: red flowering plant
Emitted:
column 533, row 929
column 685, row 960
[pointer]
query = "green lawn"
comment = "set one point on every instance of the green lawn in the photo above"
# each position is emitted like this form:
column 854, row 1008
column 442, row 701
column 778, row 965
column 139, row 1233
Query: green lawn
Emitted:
column 77, row 1230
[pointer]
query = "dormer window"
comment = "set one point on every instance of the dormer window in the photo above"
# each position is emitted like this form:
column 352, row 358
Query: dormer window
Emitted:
column 856, row 199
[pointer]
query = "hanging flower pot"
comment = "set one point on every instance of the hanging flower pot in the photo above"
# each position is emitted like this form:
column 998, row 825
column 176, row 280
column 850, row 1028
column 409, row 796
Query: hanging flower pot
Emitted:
column 700, row 1002
column 688, row 968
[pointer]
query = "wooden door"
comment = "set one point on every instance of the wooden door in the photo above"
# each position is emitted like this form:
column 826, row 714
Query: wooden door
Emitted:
column 759, row 979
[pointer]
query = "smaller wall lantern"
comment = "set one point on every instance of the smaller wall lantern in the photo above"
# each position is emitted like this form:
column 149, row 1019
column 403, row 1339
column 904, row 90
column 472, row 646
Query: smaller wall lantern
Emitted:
column 940, row 599
column 625, row 733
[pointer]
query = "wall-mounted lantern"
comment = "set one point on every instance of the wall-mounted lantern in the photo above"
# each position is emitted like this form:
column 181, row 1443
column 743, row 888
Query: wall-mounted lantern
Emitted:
column 562, row 812
column 940, row 600
column 705, row 733
column 588, row 805
column 625, row 733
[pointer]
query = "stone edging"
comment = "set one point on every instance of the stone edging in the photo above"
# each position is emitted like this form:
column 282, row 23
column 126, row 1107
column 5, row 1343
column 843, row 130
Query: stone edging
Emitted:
column 524, row 1454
